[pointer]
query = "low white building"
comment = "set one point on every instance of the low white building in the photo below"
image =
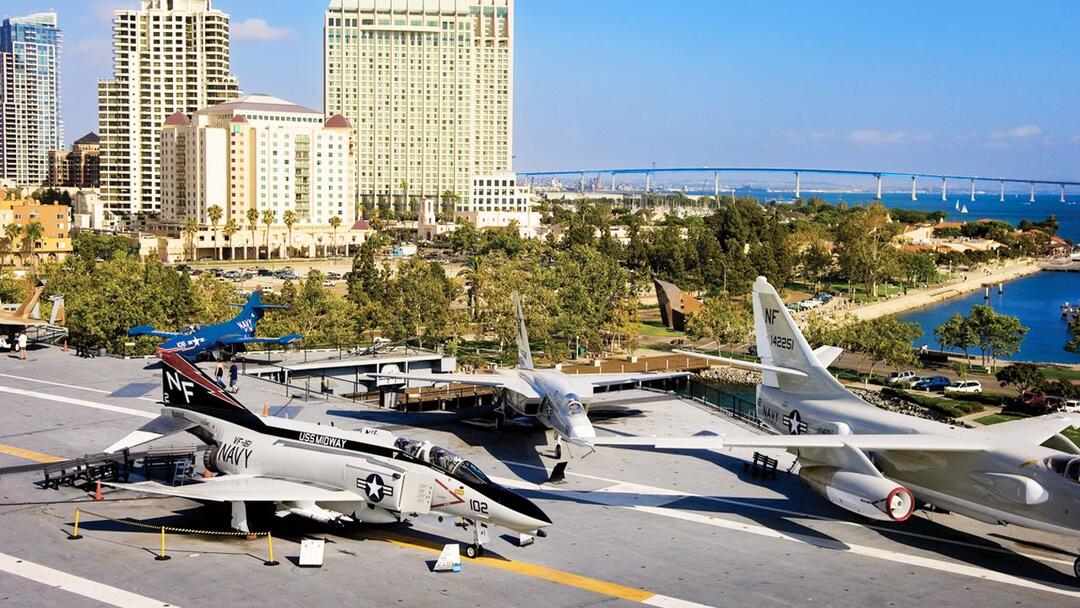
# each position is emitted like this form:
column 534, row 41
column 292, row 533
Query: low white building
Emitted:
column 496, row 200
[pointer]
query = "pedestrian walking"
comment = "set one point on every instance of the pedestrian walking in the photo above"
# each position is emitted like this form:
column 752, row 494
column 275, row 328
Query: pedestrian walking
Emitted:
column 22, row 344
column 219, row 374
column 234, row 376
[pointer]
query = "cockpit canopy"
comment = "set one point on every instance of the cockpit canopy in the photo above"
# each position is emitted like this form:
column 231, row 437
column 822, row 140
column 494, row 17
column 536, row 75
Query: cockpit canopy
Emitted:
column 575, row 408
column 443, row 459
column 1066, row 465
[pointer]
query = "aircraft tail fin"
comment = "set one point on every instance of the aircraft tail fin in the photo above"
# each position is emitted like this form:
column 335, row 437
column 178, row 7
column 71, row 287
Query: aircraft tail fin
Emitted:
column 30, row 303
column 185, row 386
column 524, row 352
column 781, row 344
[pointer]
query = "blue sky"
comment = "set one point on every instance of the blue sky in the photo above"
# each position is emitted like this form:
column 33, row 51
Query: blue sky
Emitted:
column 963, row 87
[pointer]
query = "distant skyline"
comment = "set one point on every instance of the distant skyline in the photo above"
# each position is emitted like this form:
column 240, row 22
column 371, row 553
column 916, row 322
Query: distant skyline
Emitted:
column 961, row 87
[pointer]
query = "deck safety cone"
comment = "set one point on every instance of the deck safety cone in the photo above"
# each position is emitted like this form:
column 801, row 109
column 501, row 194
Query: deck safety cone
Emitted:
column 97, row 492
column 266, row 410
column 207, row 474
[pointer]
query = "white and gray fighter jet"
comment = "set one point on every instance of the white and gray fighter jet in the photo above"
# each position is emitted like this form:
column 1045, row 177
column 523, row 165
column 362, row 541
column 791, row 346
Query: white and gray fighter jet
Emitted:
column 880, row 464
column 552, row 396
column 325, row 473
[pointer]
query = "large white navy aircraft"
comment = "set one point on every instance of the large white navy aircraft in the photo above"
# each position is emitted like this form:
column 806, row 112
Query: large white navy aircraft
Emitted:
column 325, row 473
column 552, row 396
column 881, row 464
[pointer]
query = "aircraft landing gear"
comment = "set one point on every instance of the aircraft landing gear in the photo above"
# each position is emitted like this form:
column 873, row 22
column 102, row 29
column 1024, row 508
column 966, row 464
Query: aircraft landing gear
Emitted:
column 480, row 538
column 1076, row 568
column 558, row 449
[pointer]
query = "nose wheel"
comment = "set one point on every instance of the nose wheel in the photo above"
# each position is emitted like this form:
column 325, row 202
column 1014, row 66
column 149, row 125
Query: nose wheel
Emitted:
column 474, row 551
column 1076, row 568
column 480, row 538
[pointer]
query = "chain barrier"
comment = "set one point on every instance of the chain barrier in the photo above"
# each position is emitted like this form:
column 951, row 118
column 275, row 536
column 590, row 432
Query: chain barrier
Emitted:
column 163, row 529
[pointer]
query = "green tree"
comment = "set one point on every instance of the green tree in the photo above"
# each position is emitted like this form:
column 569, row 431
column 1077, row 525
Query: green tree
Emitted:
column 997, row 335
column 34, row 232
column 12, row 232
column 289, row 218
column 269, row 216
column 863, row 250
column 215, row 212
column 887, row 340
column 229, row 230
column 1023, row 376
column 252, row 215
column 335, row 223
column 958, row 333
column 465, row 238
column 722, row 320
column 190, row 229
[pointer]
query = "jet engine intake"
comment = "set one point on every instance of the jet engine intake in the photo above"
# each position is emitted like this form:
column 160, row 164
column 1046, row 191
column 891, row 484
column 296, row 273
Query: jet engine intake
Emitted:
column 874, row 497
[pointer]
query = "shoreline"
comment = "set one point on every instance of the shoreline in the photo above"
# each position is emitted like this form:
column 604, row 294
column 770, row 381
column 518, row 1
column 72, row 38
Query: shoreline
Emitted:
column 921, row 299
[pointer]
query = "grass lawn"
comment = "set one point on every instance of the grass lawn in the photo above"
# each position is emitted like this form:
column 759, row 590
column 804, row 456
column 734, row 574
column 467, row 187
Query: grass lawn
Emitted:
column 656, row 328
column 1060, row 373
column 997, row 418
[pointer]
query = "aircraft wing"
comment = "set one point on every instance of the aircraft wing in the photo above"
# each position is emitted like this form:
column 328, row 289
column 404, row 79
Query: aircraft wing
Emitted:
column 148, row 330
column 1035, row 430
column 243, row 487
column 289, row 339
column 878, row 442
column 492, row 380
column 610, row 379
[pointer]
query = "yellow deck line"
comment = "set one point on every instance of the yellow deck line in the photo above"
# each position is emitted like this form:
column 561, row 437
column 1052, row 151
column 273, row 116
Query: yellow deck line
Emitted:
column 541, row 572
column 11, row 450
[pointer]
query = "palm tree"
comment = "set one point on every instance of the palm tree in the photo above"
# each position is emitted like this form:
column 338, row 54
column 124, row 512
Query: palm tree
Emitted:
column 289, row 218
column 12, row 232
column 473, row 273
column 34, row 231
column 450, row 195
column 404, row 196
column 253, row 223
column 215, row 212
column 229, row 230
column 268, row 218
column 190, row 228
column 335, row 223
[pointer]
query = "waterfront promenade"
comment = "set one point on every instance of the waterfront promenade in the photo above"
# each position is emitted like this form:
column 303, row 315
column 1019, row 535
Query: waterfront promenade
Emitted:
column 971, row 281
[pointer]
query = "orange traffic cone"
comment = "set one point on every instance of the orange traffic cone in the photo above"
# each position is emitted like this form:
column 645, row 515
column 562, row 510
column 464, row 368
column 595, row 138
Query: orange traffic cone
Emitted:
column 266, row 410
column 97, row 492
column 207, row 474
column 65, row 346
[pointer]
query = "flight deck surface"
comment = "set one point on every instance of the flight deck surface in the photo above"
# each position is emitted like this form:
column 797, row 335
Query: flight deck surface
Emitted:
column 630, row 527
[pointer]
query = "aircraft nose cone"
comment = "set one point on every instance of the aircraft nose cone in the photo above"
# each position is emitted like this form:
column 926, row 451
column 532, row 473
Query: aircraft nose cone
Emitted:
column 583, row 432
column 524, row 514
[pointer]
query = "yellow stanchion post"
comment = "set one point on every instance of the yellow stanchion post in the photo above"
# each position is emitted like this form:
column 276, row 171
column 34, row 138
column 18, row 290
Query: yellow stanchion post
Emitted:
column 270, row 547
column 161, row 556
column 75, row 534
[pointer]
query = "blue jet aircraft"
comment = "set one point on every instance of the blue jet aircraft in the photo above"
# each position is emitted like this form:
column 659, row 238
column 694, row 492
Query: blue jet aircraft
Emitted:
column 229, row 336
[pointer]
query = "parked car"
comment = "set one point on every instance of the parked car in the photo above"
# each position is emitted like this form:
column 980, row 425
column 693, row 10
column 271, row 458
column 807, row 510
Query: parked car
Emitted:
column 333, row 276
column 968, row 387
column 1071, row 406
column 823, row 297
column 933, row 383
column 328, row 283
column 265, row 272
column 904, row 377
column 810, row 303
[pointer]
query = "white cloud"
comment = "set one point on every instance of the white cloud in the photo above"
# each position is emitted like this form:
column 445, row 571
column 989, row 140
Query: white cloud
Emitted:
column 1021, row 132
column 820, row 136
column 874, row 137
column 258, row 30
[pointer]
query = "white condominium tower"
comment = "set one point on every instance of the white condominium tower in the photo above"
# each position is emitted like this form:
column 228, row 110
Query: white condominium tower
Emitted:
column 30, row 124
column 257, row 152
column 169, row 56
column 427, row 86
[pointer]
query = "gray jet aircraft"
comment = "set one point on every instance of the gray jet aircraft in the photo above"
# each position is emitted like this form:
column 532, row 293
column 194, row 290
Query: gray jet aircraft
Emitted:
column 325, row 473
column 553, row 397
column 881, row 464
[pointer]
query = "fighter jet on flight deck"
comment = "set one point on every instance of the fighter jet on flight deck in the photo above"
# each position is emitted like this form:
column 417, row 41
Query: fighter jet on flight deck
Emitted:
column 882, row 464
column 325, row 473
column 553, row 397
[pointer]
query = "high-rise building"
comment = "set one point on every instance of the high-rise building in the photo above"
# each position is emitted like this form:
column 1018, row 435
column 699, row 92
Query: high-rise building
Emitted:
column 257, row 152
column 30, row 122
column 169, row 56
column 78, row 167
column 427, row 86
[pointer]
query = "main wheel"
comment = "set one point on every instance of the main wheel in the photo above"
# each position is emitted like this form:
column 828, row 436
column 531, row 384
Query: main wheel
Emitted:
column 473, row 551
column 558, row 451
column 1076, row 568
